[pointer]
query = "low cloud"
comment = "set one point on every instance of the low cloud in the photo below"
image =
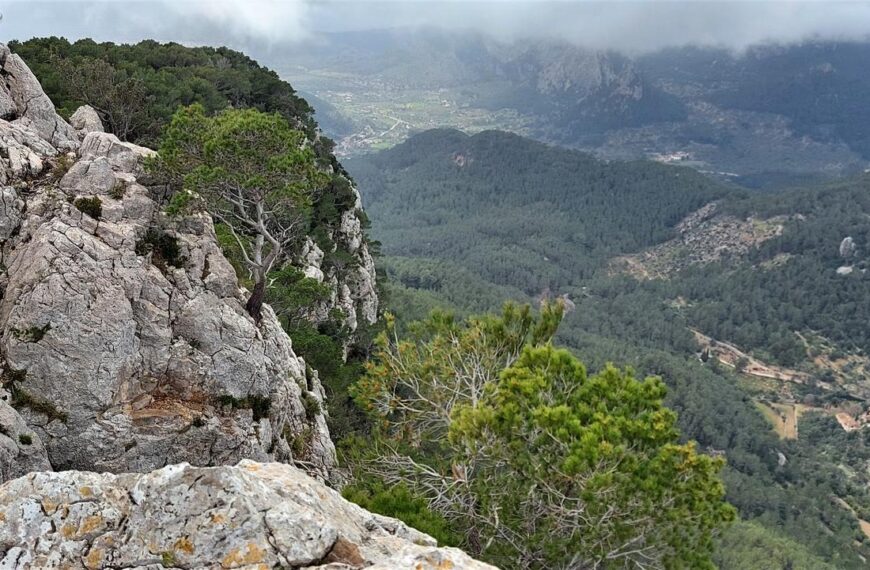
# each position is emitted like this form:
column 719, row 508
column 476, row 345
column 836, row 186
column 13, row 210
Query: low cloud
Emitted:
column 632, row 26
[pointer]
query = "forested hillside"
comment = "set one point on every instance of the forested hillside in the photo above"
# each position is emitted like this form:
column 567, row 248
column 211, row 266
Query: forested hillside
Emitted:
column 467, row 222
column 137, row 87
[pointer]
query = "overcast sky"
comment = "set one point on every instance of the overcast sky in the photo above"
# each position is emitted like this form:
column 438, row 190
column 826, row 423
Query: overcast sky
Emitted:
column 633, row 26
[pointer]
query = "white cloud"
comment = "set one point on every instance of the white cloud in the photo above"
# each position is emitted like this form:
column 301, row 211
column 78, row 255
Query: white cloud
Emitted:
column 631, row 25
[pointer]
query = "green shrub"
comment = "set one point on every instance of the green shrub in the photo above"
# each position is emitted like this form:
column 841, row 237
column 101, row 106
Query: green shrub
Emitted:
column 22, row 399
column 61, row 166
column 92, row 206
column 259, row 405
column 311, row 405
column 164, row 249
column 118, row 190
column 398, row 502
column 180, row 203
column 25, row 439
column 31, row 334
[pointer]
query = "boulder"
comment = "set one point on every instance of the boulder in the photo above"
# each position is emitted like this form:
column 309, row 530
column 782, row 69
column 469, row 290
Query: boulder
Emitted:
column 23, row 153
column 252, row 515
column 122, row 156
column 848, row 248
column 86, row 120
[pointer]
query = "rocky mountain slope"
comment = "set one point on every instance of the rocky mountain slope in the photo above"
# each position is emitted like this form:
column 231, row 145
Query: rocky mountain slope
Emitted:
column 125, row 343
column 125, row 347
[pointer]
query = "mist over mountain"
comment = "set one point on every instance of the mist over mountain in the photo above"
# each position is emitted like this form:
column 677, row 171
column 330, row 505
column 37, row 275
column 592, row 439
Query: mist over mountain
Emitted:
column 768, row 115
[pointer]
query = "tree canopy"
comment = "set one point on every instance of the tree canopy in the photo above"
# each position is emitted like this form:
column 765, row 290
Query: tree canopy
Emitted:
column 254, row 173
column 536, row 463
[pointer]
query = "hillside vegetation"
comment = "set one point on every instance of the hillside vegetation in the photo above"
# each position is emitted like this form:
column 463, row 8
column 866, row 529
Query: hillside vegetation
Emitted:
column 469, row 221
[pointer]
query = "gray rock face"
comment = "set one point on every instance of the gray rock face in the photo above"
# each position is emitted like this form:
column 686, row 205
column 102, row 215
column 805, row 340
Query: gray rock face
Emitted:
column 21, row 450
column 123, row 336
column 86, row 120
column 32, row 107
column 354, row 290
column 24, row 153
column 143, row 360
column 249, row 516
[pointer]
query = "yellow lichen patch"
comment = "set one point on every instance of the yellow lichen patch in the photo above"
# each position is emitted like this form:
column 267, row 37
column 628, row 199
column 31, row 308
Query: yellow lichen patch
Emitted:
column 251, row 553
column 86, row 491
column 2, row 516
column 94, row 558
column 49, row 506
column 68, row 530
column 184, row 545
column 91, row 524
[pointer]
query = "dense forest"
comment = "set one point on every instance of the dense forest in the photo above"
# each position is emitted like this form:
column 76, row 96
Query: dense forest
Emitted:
column 469, row 221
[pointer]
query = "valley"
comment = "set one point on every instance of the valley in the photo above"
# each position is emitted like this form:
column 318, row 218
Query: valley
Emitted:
column 700, row 107
column 733, row 297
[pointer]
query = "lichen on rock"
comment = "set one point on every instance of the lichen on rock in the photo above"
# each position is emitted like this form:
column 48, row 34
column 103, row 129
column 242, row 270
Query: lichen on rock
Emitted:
column 252, row 515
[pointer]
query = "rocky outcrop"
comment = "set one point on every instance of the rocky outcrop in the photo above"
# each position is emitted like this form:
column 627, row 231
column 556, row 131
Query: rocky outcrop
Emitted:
column 249, row 516
column 86, row 120
column 353, row 288
column 21, row 450
column 23, row 102
column 704, row 236
column 124, row 341
column 848, row 248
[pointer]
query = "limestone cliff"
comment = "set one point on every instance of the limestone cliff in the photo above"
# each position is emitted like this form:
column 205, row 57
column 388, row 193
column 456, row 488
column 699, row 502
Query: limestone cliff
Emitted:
column 124, row 342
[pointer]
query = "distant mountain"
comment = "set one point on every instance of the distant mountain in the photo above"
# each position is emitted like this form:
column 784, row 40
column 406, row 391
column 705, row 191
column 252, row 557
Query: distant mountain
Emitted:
column 769, row 116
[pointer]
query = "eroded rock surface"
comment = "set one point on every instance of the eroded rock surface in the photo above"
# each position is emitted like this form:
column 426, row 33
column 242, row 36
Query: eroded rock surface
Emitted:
column 251, row 516
column 124, row 343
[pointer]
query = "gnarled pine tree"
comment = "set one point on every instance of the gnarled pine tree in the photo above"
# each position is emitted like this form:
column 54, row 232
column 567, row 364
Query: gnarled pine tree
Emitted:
column 255, row 174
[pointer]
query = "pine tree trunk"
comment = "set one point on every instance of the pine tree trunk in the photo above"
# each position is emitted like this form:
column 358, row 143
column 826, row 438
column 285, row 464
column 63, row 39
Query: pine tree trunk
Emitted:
column 254, row 305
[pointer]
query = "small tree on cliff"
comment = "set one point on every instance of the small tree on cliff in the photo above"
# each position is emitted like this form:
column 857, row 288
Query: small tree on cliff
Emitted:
column 255, row 175
column 536, row 463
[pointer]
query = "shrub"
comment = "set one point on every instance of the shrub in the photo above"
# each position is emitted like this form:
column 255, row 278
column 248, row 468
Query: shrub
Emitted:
column 398, row 502
column 22, row 399
column 118, row 190
column 259, row 405
column 164, row 249
column 61, row 166
column 311, row 405
column 31, row 334
column 92, row 206
column 25, row 439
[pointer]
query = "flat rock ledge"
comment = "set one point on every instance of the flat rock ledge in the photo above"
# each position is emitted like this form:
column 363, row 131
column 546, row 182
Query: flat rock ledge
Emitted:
column 252, row 516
